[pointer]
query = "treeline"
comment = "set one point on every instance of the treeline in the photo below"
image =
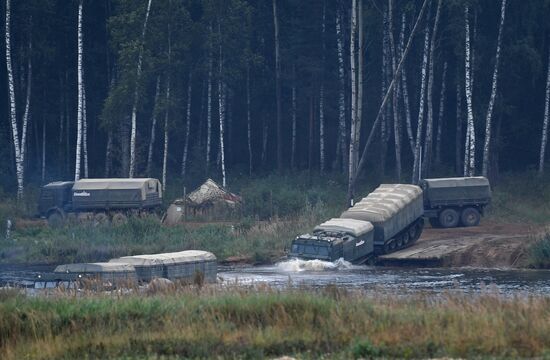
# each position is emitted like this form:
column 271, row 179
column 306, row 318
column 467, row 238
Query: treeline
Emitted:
column 193, row 88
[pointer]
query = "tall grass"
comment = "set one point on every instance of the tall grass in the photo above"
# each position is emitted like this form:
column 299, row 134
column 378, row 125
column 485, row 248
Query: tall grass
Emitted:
column 539, row 252
column 266, row 323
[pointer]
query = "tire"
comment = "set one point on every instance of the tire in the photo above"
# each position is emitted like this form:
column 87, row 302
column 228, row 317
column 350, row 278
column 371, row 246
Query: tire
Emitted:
column 448, row 218
column 101, row 219
column 119, row 218
column 434, row 222
column 470, row 217
column 55, row 219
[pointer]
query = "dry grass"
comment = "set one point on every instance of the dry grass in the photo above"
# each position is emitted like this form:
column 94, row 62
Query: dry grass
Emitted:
column 264, row 322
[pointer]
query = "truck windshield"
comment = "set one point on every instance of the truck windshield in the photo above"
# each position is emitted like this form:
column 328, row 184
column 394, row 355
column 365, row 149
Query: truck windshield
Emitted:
column 310, row 249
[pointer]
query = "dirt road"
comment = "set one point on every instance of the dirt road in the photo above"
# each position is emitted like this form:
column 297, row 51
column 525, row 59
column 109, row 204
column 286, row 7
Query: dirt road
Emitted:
column 487, row 245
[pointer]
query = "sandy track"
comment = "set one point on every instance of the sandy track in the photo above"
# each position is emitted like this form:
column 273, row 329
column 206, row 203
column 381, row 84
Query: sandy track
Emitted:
column 487, row 245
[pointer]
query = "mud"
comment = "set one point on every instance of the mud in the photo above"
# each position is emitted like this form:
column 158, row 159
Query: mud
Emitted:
column 490, row 245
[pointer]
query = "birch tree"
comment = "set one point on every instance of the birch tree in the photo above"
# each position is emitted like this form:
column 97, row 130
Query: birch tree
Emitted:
column 84, row 131
column 80, row 94
column 322, row 97
column 440, row 118
column 187, row 126
column 152, row 138
column 133, row 132
column 405, row 88
column 248, row 121
column 487, row 145
column 342, row 86
column 360, row 53
column 293, row 115
column 469, row 162
column 429, row 95
column 353, row 74
column 396, row 93
column 458, row 133
column 221, row 108
column 545, row 122
column 209, row 101
column 421, row 107
column 167, row 110
column 18, row 143
column 278, row 89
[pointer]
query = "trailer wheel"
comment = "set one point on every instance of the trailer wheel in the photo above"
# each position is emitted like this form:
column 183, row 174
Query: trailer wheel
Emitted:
column 55, row 219
column 470, row 217
column 448, row 218
column 406, row 238
column 119, row 218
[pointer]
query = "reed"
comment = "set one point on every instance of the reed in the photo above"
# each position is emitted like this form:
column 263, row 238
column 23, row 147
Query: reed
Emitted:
column 260, row 322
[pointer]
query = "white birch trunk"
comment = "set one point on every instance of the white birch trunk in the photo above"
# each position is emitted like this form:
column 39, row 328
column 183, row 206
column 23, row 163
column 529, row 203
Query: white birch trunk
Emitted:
column 43, row 172
column 396, row 94
column 209, row 104
column 84, row 131
column 248, row 122
column 429, row 123
column 133, row 132
column 384, row 123
column 221, row 106
column 487, row 145
column 405, row 87
column 109, row 153
column 187, row 127
column 293, row 95
column 278, row 89
column 322, row 98
column 359, row 115
column 353, row 75
column 420, row 127
column 80, row 96
column 166, row 135
column 341, row 96
column 471, row 130
column 152, row 138
column 458, row 133
column 440, row 118
column 544, row 139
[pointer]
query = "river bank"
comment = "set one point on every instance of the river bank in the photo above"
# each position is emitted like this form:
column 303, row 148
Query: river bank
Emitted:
column 266, row 322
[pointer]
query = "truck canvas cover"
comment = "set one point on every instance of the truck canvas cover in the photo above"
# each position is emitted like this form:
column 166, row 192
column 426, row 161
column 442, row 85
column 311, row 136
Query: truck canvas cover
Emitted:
column 390, row 208
column 116, row 193
column 457, row 191
column 103, row 271
column 353, row 227
column 176, row 265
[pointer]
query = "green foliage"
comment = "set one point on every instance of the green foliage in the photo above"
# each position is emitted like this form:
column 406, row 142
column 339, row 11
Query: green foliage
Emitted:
column 539, row 252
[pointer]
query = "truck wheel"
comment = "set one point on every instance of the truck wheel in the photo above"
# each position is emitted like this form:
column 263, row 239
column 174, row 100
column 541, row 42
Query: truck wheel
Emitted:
column 55, row 219
column 470, row 217
column 448, row 218
column 101, row 218
column 434, row 222
column 119, row 218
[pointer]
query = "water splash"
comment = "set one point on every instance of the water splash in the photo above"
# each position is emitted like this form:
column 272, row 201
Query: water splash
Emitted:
column 299, row 265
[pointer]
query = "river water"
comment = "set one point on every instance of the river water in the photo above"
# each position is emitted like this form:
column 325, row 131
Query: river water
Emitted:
column 299, row 273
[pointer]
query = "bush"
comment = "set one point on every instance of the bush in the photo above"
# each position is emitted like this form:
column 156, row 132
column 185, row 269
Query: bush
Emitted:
column 539, row 253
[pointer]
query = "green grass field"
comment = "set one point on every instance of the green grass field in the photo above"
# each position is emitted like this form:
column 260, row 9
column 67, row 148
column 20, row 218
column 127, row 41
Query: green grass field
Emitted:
column 257, row 323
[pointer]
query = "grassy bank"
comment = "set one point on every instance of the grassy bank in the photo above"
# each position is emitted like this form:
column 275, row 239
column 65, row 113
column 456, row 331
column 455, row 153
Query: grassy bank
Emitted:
column 254, row 324
column 276, row 209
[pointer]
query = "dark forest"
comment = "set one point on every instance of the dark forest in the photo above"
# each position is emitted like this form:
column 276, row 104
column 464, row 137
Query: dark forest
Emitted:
column 182, row 90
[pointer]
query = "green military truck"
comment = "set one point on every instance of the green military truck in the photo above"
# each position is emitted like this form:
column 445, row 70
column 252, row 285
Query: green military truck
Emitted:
column 450, row 202
column 100, row 200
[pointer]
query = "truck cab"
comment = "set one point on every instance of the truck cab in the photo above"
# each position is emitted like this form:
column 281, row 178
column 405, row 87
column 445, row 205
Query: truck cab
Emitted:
column 55, row 199
column 349, row 239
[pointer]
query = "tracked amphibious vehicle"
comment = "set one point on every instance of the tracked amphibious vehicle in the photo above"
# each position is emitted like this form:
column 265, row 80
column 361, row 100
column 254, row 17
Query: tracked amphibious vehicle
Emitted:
column 388, row 219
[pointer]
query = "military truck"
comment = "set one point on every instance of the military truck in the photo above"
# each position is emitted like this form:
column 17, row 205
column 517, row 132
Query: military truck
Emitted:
column 388, row 219
column 450, row 202
column 100, row 200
